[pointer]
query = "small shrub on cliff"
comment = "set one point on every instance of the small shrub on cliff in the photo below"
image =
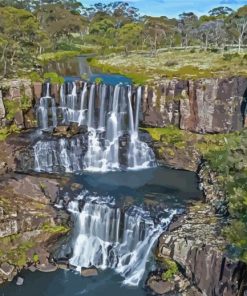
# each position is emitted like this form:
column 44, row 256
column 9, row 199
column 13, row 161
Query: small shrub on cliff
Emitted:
column 171, row 269
column 12, row 107
column 230, row 162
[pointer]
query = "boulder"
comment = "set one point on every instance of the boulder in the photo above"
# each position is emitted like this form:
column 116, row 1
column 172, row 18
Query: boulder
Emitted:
column 89, row 272
column 160, row 287
column 6, row 269
column 48, row 267
column 19, row 281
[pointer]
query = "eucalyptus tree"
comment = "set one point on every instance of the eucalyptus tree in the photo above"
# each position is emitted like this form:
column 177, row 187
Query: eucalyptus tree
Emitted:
column 60, row 22
column 20, row 39
column 188, row 24
column 157, row 30
column 237, row 26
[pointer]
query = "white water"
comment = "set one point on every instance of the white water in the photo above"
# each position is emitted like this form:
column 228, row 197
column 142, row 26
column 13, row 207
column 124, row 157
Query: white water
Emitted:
column 110, row 114
column 46, row 112
column 106, row 239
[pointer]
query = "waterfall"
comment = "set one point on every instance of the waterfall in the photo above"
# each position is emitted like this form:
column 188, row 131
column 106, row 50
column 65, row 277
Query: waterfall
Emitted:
column 59, row 155
column 106, row 239
column 47, row 111
column 112, row 125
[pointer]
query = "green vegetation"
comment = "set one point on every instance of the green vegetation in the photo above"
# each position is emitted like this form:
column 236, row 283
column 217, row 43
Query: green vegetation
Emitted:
column 57, row 56
column 6, row 131
column 98, row 80
column 54, row 78
column 230, row 162
column 226, row 155
column 33, row 33
column 12, row 107
column 171, row 269
column 174, row 63
column 137, row 75
column 35, row 258
column 15, row 255
column 55, row 229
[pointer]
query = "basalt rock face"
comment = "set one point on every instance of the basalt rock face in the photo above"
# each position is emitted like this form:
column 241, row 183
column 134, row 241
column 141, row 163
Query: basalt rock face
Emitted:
column 201, row 106
column 195, row 243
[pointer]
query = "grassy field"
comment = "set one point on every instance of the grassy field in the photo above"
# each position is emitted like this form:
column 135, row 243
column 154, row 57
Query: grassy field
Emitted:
column 180, row 64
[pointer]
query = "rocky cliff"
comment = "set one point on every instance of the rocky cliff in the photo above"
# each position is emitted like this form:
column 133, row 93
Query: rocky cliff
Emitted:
column 201, row 106
column 195, row 242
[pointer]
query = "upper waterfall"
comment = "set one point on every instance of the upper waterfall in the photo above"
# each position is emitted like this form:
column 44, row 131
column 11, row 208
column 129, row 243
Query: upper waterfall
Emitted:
column 110, row 114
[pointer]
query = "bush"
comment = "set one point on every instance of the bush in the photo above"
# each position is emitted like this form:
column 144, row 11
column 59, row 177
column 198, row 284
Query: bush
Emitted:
column 54, row 78
column 171, row 269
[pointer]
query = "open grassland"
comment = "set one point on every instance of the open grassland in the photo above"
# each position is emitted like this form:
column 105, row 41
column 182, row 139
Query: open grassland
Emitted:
column 181, row 64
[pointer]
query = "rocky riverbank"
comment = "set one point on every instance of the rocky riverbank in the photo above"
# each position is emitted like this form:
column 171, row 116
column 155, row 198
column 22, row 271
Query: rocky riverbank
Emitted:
column 195, row 242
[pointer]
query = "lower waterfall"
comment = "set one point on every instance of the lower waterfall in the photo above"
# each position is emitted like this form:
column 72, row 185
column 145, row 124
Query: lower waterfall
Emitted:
column 107, row 237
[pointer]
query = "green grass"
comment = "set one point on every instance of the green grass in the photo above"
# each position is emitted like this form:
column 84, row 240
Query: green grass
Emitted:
column 182, row 64
column 57, row 56
column 137, row 76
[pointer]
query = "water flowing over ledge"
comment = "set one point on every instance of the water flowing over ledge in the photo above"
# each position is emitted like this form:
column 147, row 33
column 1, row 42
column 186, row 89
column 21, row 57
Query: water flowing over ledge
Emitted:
column 107, row 237
column 109, row 114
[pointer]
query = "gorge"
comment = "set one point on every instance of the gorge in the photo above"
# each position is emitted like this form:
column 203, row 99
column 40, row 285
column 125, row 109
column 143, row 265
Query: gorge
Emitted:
column 124, row 201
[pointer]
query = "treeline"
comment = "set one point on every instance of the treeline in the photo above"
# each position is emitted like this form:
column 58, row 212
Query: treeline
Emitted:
column 29, row 28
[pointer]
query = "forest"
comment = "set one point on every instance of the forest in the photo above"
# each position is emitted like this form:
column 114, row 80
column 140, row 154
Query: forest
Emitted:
column 31, row 29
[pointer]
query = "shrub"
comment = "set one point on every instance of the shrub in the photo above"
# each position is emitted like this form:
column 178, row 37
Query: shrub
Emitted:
column 54, row 78
column 171, row 269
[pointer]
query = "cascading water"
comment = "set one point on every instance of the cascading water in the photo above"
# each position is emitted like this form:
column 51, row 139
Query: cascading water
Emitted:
column 111, row 120
column 46, row 112
column 105, row 238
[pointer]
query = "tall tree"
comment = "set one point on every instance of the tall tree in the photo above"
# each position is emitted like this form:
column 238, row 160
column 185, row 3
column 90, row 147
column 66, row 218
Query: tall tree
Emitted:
column 187, row 26
column 20, row 38
column 237, row 25
column 59, row 22
column 221, row 11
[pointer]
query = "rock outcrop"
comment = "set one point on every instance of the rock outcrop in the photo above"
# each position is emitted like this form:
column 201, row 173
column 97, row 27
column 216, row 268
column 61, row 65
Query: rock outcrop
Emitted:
column 28, row 222
column 201, row 106
column 195, row 243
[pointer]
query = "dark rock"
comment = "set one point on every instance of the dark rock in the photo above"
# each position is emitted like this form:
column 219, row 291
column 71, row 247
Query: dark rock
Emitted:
column 197, row 246
column 19, row 119
column 201, row 106
column 160, row 287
